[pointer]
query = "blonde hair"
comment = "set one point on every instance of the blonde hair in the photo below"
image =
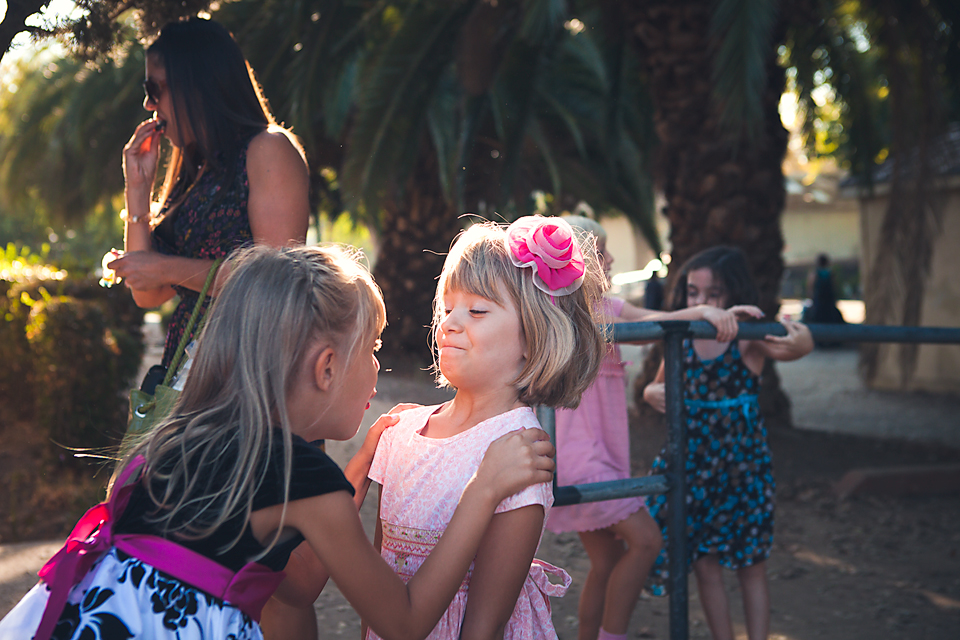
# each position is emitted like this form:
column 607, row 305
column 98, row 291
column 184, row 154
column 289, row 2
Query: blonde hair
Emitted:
column 565, row 345
column 206, row 462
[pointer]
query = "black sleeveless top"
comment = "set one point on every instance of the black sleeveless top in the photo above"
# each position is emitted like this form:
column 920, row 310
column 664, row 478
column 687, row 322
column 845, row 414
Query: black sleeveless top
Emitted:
column 314, row 473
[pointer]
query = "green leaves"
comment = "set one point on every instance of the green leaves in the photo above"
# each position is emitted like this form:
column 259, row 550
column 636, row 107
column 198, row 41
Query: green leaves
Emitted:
column 744, row 31
column 389, row 124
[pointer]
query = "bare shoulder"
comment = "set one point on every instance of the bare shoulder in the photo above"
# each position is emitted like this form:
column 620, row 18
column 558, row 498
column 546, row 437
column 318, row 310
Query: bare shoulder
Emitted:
column 273, row 146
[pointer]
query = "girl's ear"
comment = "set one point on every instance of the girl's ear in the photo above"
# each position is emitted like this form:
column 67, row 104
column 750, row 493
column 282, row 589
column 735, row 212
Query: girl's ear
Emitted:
column 325, row 368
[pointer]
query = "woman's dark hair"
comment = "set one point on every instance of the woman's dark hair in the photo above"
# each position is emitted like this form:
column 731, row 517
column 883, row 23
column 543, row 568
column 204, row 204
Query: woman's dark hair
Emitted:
column 215, row 93
column 729, row 266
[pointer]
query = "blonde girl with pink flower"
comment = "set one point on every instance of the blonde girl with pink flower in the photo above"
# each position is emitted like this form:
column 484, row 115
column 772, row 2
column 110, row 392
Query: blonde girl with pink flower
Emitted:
column 514, row 327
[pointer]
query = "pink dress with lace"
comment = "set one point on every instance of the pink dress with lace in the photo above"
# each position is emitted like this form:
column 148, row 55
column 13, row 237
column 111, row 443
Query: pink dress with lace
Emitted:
column 422, row 480
column 593, row 445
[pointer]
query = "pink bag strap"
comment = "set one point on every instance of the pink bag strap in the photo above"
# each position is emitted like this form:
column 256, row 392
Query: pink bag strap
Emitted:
column 247, row 589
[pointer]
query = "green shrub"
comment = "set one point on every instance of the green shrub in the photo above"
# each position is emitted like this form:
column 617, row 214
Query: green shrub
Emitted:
column 70, row 349
column 19, row 265
column 85, row 346
column 76, row 357
column 16, row 373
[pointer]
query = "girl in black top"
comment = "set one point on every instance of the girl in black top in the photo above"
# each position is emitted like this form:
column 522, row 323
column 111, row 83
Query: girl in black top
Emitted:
column 228, row 485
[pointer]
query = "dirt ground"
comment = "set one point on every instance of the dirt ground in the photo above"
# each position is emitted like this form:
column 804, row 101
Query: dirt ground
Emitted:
column 864, row 567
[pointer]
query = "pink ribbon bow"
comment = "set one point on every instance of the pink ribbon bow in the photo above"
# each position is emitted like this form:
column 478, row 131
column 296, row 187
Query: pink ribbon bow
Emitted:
column 247, row 589
column 548, row 246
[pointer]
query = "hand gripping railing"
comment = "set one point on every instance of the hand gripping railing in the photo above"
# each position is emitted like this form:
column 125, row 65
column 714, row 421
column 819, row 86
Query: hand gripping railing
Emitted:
column 673, row 333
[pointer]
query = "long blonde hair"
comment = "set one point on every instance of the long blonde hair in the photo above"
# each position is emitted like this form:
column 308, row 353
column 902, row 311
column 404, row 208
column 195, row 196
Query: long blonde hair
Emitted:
column 205, row 463
column 565, row 345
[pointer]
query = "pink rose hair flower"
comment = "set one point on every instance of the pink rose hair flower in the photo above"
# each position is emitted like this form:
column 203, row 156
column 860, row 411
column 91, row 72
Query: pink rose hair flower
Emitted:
column 548, row 246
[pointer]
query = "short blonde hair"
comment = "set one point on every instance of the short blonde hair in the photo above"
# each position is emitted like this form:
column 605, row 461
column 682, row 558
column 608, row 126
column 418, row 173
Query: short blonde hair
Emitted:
column 565, row 344
column 273, row 305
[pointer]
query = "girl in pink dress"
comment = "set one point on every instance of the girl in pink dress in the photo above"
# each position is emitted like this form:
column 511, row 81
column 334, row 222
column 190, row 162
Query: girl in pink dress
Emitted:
column 514, row 326
column 593, row 445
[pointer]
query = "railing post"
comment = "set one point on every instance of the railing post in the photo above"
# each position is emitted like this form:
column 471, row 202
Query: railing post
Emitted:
column 547, row 417
column 673, row 334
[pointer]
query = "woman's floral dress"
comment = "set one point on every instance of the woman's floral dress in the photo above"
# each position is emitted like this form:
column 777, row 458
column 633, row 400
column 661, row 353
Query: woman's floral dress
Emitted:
column 729, row 470
column 207, row 225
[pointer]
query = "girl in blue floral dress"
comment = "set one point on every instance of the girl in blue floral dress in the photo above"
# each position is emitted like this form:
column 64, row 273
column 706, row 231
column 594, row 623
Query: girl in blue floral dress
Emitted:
column 730, row 486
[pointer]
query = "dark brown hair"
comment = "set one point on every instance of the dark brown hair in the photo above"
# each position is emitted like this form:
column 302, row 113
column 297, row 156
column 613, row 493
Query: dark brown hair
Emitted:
column 729, row 266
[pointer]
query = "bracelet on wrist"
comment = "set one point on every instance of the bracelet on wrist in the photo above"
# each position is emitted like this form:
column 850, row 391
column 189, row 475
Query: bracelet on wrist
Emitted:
column 126, row 217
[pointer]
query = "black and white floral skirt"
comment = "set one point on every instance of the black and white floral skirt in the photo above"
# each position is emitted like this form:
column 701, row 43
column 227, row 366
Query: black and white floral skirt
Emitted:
column 122, row 597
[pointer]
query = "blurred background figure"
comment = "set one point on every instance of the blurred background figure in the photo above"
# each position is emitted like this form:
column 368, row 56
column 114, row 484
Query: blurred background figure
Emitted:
column 653, row 293
column 822, row 306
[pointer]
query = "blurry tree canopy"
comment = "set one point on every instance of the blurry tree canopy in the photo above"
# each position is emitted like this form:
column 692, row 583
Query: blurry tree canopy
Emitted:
column 415, row 111
column 95, row 29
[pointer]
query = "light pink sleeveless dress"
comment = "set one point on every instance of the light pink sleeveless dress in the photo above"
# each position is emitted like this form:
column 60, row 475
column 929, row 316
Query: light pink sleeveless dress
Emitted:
column 593, row 445
column 422, row 480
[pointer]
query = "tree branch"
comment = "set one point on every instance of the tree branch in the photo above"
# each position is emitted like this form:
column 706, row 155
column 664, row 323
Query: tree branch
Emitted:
column 14, row 21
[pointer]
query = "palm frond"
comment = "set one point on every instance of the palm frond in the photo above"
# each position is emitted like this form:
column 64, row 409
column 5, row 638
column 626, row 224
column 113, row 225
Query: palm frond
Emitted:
column 743, row 29
column 542, row 19
column 63, row 140
column 391, row 113
column 443, row 123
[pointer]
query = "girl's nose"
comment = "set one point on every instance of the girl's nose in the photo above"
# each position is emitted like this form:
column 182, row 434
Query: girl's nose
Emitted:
column 450, row 324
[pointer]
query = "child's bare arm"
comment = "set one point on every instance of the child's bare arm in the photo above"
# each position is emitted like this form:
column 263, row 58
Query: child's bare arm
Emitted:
column 280, row 621
column 392, row 609
column 305, row 578
column 500, row 569
column 289, row 613
column 378, row 545
column 655, row 393
column 725, row 320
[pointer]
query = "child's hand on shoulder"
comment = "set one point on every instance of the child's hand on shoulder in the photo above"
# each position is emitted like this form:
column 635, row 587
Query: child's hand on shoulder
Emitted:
column 725, row 320
column 516, row 461
column 384, row 422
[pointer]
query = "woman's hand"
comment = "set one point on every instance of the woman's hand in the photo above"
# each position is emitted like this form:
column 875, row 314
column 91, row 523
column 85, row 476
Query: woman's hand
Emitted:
column 655, row 394
column 141, row 270
column 140, row 156
column 517, row 460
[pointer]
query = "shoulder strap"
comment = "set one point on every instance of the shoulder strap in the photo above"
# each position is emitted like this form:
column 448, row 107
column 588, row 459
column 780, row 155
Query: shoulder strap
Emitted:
column 188, row 330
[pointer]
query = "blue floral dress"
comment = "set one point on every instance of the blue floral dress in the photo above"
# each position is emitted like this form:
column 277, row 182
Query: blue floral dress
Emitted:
column 730, row 486
column 208, row 224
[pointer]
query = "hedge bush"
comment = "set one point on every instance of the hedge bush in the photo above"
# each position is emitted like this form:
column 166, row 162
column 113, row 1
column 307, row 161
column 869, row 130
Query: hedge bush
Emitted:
column 76, row 348
column 16, row 371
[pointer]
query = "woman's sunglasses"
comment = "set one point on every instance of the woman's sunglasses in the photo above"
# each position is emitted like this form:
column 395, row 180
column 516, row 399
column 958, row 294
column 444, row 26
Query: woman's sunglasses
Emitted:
column 153, row 90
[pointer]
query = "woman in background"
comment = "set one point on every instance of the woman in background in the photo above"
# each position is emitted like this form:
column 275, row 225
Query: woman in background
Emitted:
column 234, row 177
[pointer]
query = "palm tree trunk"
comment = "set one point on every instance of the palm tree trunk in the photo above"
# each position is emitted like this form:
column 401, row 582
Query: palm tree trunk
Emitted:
column 417, row 230
column 718, row 190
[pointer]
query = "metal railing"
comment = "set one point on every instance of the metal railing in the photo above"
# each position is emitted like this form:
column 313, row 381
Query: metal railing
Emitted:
column 673, row 333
